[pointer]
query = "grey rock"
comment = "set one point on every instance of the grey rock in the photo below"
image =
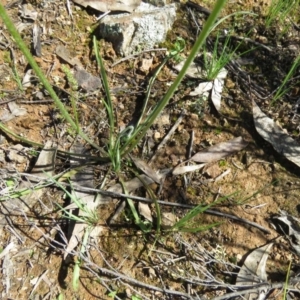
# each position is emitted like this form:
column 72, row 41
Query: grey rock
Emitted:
column 87, row 81
column 143, row 29
column 64, row 53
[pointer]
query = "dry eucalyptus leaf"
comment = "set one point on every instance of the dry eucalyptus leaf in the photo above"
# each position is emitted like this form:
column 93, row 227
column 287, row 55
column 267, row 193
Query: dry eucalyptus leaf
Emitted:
column 15, row 111
column 216, row 93
column 26, row 81
column 8, row 264
column 10, row 247
column 273, row 134
column 253, row 272
column 219, row 151
column 185, row 169
column 146, row 64
column 202, row 88
column 110, row 5
column 145, row 211
column 16, row 154
column 222, row 74
column 28, row 12
column 130, row 186
column 151, row 272
column 144, row 167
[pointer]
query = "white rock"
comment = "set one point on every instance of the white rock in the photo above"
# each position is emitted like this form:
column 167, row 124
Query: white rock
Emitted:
column 143, row 29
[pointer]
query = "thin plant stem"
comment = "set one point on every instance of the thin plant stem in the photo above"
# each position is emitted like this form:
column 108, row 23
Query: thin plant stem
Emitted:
column 287, row 281
column 78, row 261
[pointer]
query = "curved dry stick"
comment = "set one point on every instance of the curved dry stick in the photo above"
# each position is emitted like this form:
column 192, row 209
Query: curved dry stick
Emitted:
column 208, row 211
column 118, row 275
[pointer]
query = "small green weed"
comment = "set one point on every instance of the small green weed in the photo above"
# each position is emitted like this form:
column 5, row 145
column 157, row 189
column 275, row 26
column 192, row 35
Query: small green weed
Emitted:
column 112, row 294
column 279, row 11
column 176, row 49
column 283, row 88
column 145, row 226
column 218, row 130
column 16, row 75
column 60, row 297
column 77, row 265
column 215, row 61
column 222, row 163
column 33, row 153
column 198, row 105
column 186, row 224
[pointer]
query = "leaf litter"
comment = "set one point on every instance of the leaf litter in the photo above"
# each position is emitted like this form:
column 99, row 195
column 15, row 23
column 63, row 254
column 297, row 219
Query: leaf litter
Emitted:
column 220, row 151
column 276, row 136
column 254, row 177
column 211, row 154
column 253, row 271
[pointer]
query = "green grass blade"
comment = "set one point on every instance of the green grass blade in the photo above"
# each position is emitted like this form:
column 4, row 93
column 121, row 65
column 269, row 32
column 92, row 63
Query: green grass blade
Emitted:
column 221, row 20
column 131, row 205
column 143, row 226
column 286, row 285
column 109, row 104
column 199, row 209
column 282, row 88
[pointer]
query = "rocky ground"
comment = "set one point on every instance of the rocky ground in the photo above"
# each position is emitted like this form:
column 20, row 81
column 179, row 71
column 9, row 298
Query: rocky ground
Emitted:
column 253, row 184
